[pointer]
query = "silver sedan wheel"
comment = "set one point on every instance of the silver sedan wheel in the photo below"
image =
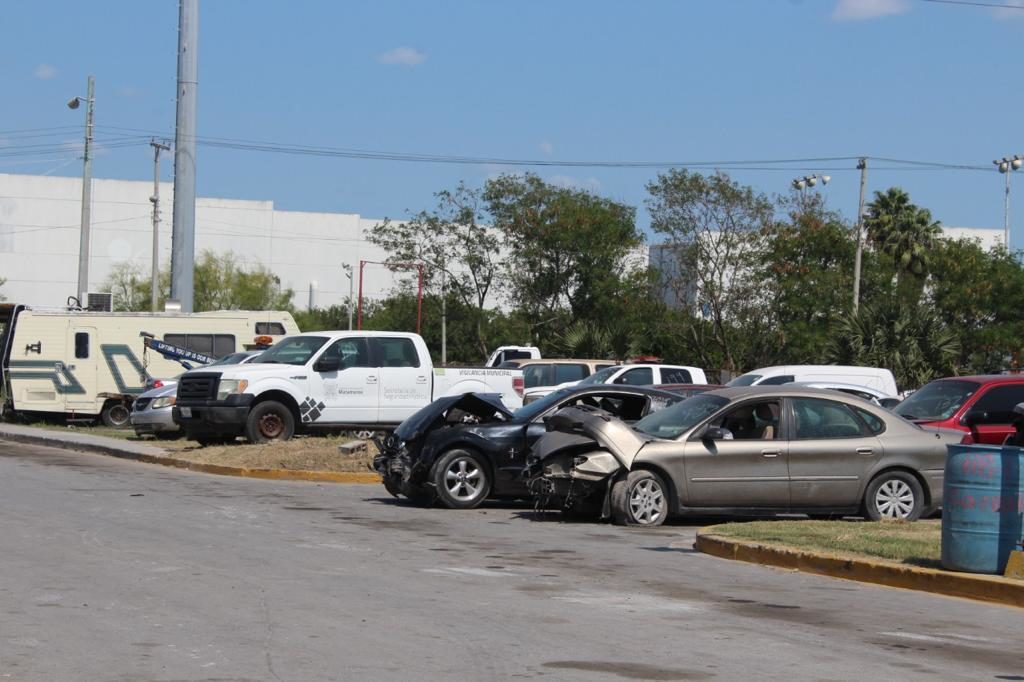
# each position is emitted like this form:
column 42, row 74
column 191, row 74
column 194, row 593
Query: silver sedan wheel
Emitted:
column 647, row 502
column 464, row 480
column 894, row 499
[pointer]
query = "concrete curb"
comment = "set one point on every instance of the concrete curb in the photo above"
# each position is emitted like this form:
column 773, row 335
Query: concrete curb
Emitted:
column 51, row 439
column 987, row 588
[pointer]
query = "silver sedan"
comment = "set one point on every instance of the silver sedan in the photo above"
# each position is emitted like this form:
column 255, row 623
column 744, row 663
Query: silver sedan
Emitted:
column 759, row 450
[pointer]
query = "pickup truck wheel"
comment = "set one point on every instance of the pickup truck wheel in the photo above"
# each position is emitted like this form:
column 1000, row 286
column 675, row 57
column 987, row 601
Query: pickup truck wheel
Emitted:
column 115, row 415
column 640, row 499
column 461, row 479
column 269, row 421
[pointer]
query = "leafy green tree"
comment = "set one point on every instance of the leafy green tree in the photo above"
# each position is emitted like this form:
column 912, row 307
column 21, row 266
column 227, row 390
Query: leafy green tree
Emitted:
column 317, row 319
column 808, row 269
column 978, row 293
column 131, row 287
column 910, row 340
column 907, row 234
column 460, row 249
column 567, row 249
column 221, row 284
column 714, row 230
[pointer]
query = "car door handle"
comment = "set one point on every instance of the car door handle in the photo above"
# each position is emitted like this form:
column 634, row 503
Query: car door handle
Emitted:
column 371, row 379
column 771, row 453
column 865, row 451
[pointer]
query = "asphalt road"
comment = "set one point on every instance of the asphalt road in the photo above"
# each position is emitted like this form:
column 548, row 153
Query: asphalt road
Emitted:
column 113, row 570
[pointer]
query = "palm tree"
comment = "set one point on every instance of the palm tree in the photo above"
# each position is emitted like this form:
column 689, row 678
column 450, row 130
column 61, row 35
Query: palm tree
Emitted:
column 909, row 339
column 906, row 233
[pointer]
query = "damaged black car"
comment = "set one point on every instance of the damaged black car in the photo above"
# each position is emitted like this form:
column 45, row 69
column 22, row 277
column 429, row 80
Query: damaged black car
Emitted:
column 461, row 450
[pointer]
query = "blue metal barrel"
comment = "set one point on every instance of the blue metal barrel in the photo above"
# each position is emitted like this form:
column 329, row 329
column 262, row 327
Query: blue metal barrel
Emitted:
column 982, row 507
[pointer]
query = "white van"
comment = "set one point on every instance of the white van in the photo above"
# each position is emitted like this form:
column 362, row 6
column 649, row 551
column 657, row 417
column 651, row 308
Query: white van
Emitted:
column 872, row 377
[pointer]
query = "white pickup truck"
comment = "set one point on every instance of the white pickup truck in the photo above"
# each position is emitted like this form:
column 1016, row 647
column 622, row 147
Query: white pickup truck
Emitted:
column 340, row 380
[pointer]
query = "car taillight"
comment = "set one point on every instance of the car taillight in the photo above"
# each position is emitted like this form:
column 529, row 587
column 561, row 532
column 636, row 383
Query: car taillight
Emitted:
column 158, row 384
column 518, row 385
column 968, row 439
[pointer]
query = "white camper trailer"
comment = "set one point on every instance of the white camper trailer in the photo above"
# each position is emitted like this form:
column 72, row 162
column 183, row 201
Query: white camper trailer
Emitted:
column 88, row 364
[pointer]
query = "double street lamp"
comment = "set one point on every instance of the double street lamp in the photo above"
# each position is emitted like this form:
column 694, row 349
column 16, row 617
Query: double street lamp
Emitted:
column 1006, row 165
column 808, row 181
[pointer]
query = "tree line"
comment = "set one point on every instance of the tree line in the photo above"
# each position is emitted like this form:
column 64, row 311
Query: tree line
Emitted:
column 740, row 280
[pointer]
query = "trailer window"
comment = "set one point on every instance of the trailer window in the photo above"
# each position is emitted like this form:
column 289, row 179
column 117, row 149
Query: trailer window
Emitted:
column 217, row 345
column 81, row 345
column 270, row 328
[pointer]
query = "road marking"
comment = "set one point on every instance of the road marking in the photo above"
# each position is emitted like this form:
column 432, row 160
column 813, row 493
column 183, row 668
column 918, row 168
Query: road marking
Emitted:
column 945, row 639
column 481, row 572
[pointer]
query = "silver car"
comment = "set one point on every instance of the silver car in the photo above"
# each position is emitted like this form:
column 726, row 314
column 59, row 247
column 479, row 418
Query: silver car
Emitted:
column 759, row 450
column 151, row 411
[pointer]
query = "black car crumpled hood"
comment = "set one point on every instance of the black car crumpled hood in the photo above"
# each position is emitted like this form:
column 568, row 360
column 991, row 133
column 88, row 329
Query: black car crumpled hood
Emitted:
column 575, row 425
column 482, row 405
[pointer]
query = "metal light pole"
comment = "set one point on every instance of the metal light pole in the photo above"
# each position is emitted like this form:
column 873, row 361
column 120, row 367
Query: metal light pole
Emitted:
column 351, row 282
column 1005, row 166
column 183, row 231
column 155, row 279
column 83, row 244
column 862, row 165
column 805, row 183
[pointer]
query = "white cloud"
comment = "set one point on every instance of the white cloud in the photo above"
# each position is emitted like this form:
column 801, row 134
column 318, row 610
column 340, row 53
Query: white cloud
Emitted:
column 570, row 182
column 1009, row 13
column 404, row 56
column 45, row 72
column 547, row 148
column 858, row 10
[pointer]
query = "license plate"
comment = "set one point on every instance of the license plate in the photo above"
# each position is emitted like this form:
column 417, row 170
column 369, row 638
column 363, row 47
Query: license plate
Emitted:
column 186, row 412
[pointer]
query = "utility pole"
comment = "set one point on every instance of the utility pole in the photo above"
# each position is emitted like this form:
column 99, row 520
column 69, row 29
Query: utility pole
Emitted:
column 444, row 320
column 84, row 241
column 155, row 285
column 183, row 234
column 862, row 165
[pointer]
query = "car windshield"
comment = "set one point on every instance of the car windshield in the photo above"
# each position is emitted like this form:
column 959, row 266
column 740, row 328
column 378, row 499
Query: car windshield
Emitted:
column 530, row 411
column 744, row 380
column 295, row 350
column 600, row 377
column 676, row 420
column 938, row 400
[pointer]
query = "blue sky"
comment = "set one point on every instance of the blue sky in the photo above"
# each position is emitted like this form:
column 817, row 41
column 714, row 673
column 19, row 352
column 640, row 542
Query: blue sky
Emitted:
column 579, row 80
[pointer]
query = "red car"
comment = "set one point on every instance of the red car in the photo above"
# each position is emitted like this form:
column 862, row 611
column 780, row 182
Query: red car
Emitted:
column 986, row 402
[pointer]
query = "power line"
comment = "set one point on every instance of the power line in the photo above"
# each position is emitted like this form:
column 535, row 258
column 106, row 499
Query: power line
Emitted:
column 976, row 3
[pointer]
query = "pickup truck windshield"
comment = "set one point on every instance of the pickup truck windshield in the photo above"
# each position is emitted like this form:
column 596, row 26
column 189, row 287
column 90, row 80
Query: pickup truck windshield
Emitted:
column 295, row 350
column 600, row 377
column 938, row 400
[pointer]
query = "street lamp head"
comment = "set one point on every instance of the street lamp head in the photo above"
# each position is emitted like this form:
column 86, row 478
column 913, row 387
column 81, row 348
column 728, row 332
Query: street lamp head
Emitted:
column 1003, row 166
column 74, row 102
column 1016, row 163
column 798, row 184
column 812, row 180
column 825, row 179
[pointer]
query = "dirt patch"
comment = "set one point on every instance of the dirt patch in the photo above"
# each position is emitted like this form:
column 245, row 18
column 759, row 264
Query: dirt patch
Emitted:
column 311, row 453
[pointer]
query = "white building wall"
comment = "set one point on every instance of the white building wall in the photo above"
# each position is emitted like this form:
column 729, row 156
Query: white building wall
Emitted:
column 40, row 223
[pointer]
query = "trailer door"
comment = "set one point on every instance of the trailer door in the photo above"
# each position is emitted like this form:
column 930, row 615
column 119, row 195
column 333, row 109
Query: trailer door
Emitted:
column 76, row 375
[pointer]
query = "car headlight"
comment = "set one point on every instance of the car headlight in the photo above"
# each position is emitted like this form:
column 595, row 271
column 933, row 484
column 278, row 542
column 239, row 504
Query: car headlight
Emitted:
column 230, row 387
column 166, row 401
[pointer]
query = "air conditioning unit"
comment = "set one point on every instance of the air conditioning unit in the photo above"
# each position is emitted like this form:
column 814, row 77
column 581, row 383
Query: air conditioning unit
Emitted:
column 99, row 302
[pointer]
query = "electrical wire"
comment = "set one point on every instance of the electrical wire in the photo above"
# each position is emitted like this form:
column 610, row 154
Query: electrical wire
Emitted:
column 976, row 3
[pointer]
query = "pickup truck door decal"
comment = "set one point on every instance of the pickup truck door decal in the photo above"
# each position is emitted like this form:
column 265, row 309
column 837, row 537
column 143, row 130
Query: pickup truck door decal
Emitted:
column 310, row 410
